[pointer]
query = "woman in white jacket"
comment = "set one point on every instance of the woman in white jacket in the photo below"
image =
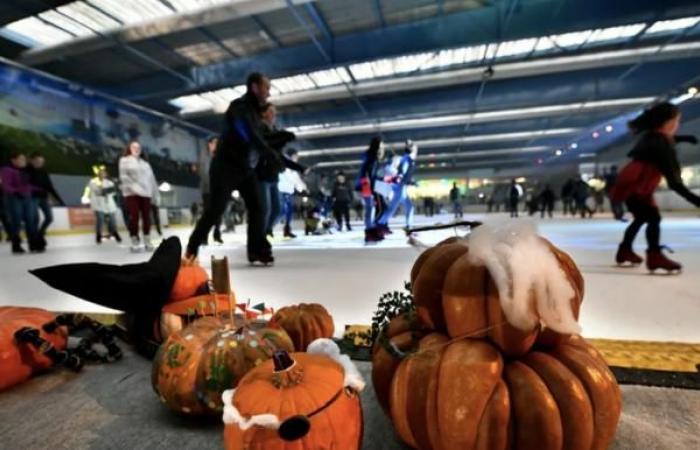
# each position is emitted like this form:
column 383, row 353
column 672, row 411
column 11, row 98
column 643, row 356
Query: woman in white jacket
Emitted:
column 138, row 186
column 100, row 193
column 290, row 182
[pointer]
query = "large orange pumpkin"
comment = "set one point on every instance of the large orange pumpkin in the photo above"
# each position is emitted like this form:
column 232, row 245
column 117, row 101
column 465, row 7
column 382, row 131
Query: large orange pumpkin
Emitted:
column 304, row 323
column 300, row 401
column 190, row 279
column 19, row 361
column 457, row 296
column 195, row 365
column 462, row 394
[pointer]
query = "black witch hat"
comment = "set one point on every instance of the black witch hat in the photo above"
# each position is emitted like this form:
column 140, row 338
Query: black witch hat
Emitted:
column 139, row 289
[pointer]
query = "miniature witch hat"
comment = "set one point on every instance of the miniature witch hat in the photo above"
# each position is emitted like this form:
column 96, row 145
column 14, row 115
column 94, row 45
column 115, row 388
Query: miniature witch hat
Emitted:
column 133, row 288
column 140, row 289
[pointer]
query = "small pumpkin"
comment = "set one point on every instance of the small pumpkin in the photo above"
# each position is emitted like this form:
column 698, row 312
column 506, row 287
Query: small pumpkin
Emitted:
column 191, row 279
column 18, row 362
column 463, row 394
column 304, row 323
column 195, row 365
column 311, row 401
column 456, row 294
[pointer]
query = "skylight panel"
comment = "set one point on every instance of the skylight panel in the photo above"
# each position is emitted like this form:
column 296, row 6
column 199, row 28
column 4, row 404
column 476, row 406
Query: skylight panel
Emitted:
column 573, row 39
column 191, row 103
column 410, row 63
column 192, row 5
column 65, row 23
column 519, row 47
column 330, row 77
column 293, row 84
column 361, row 71
column 612, row 33
column 88, row 16
column 544, row 43
column 382, row 68
column 39, row 32
column 664, row 26
column 134, row 11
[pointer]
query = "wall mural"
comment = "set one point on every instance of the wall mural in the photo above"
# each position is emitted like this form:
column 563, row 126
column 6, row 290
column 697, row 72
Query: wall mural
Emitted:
column 75, row 128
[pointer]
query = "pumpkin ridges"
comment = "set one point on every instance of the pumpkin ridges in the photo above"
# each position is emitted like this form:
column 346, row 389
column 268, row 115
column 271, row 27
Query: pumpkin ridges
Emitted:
column 301, row 323
column 189, row 279
column 494, row 425
column 463, row 299
column 384, row 365
column 398, row 402
column 604, row 394
column 420, row 261
column 469, row 373
column 574, row 405
column 428, row 285
column 536, row 417
column 511, row 340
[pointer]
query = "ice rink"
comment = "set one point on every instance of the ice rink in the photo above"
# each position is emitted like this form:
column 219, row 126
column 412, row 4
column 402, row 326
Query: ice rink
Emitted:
column 348, row 277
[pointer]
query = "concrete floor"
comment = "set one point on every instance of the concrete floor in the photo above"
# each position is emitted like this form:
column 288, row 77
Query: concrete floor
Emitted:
column 348, row 277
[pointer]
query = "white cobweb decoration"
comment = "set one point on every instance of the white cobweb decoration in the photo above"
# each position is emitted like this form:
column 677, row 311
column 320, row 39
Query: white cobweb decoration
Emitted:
column 520, row 264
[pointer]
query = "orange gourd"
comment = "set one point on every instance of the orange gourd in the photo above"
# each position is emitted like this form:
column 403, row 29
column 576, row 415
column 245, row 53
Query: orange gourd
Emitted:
column 190, row 279
column 462, row 376
column 195, row 365
column 303, row 404
column 456, row 296
column 18, row 362
column 304, row 323
column 464, row 394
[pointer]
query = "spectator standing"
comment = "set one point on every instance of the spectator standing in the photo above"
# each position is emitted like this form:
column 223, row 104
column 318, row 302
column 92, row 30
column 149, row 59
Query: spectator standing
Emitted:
column 456, row 201
column 17, row 196
column 42, row 187
column 547, row 200
column 342, row 198
column 138, row 185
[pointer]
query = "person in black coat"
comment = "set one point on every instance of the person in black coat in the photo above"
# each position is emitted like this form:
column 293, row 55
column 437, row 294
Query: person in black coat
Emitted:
column 514, row 196
column 233, row 167
column 547, row 201
column 567, row 197
column 268, row 173
column 364, row 184
column 42, row 187
column 342, row 198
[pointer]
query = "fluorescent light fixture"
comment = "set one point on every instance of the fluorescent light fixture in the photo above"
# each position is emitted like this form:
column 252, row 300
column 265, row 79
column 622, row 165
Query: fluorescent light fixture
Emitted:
column 692, row 90
column 558, row 152
column 311, row 131
column 165, row 187
column 451, row 142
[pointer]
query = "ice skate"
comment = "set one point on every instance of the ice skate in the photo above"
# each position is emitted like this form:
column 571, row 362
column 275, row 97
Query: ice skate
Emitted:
column 148, row 244
column 136, row 246
column 657, row 260
column 264, row 260
column 626, row 257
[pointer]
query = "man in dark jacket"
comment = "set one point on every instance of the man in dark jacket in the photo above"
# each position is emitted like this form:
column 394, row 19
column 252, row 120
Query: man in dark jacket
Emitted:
column 42, row 187
column 233, row 168
column 547, row 201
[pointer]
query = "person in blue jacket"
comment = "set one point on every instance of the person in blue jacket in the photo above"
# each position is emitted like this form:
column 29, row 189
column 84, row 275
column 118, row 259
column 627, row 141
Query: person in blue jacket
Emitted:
column 403, row 179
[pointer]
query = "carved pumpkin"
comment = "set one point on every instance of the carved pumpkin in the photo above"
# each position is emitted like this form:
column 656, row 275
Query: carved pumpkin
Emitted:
column 458, row 296
column 190, row 279
column 304, row 323
column 194, row 366
column 19, row 361
column 310, row 402
column 464, row 394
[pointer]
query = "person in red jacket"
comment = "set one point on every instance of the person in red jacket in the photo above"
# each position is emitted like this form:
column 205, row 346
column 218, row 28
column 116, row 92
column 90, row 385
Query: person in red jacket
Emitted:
column 653, row 158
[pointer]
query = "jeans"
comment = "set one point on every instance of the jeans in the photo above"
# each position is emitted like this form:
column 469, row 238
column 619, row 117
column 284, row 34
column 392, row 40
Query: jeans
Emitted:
column 22, row 211
column 42, row 204
column 224, row 179
column 644, row 212
column 287, row 209
column 457, row 208
column 369, row 212
column 139, row 206
column 400, row 197
column 270, row 196
column 102, row 217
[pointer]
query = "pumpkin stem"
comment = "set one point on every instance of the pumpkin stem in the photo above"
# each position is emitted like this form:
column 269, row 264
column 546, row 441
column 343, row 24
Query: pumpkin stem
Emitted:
column 282, row 361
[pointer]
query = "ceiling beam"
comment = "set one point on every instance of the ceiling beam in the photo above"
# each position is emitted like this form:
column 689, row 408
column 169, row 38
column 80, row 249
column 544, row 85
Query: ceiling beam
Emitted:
column 456, row 29
column 235, row 9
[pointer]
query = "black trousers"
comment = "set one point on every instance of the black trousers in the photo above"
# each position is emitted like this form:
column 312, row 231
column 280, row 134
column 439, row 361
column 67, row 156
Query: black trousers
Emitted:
column 644, row 212
column 224, row 179
column 206, row 200
column 548, row 207
column 513, row 208
column 341, row 210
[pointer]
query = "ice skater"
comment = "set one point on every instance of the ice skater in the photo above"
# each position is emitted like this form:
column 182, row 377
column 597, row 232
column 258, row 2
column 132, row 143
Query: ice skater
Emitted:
column 100, row 193
column 653, row 158
column 342, row 198
column 400, row 183
column 365, row 185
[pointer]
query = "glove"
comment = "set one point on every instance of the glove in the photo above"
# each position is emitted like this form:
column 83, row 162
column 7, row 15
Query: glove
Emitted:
column 689, row 139
column 288, row 136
